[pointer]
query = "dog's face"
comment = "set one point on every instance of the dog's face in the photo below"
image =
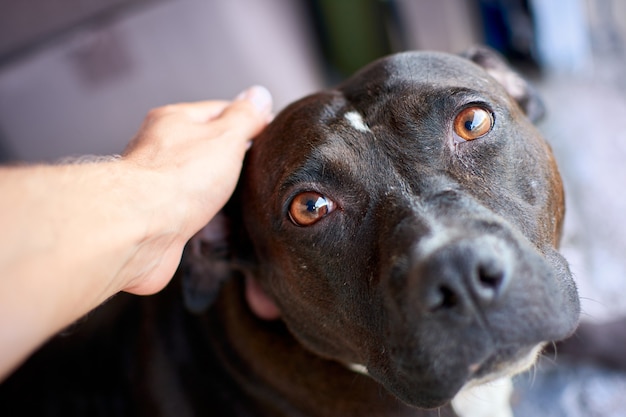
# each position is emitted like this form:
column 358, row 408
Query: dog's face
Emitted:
column 407, row 222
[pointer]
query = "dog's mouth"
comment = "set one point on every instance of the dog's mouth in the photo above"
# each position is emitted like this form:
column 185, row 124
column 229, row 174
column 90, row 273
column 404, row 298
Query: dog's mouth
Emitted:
column 516, row 360
column 436, row 383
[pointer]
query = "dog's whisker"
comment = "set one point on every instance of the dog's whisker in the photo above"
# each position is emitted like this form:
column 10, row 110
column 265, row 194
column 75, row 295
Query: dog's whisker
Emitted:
column 555, row 350
column 594, row 300
column 533, row 374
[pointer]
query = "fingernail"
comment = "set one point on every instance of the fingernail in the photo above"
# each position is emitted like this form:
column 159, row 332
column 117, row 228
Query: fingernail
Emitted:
column 259, row 96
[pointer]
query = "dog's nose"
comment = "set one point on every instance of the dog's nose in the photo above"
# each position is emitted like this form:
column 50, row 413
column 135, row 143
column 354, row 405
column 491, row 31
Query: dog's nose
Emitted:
column 463, row 275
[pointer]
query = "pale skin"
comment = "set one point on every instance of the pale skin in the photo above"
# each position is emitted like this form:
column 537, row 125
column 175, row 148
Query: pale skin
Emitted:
column 75, row 235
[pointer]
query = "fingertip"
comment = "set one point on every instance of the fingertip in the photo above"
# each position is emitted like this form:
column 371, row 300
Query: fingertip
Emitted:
column 259, row 97
column 248, row 114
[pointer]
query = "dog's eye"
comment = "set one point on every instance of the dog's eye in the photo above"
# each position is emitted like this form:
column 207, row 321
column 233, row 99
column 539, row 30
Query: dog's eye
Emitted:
column 309, row 207
column 473, row 122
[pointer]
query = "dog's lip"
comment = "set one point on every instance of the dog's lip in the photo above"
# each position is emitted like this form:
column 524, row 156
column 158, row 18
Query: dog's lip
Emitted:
column 475, row 367
column 502, row 361
column 492, row 369
column 412, row 383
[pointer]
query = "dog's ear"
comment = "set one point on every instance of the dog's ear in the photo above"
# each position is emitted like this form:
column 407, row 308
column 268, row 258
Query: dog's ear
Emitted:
column 215, row 254
column 206, row 264
column 523, row 92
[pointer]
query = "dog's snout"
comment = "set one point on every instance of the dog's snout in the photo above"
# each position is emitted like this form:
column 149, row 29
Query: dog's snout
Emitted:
column 462, row 276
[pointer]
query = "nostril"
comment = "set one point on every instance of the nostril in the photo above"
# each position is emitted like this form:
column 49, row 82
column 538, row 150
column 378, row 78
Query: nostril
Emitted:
column 490, row 278
column 489, row 281
column 444, row 299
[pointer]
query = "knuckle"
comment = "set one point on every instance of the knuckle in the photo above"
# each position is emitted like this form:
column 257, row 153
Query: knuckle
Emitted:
column 160, row 112
column 157, row 111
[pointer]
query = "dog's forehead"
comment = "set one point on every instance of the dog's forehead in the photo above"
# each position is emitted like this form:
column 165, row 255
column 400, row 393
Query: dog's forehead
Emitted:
column 348, row 105
column 350, row 128
column 415, row 69
column 345, row 121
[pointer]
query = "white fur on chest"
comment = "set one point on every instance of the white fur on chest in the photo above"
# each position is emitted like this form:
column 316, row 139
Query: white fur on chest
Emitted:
column 487, row 400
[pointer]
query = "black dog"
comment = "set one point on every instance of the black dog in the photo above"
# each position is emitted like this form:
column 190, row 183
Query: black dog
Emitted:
column 392, row 242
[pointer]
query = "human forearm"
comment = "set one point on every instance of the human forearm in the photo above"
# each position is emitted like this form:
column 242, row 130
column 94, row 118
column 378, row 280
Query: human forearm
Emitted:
column 72, row 237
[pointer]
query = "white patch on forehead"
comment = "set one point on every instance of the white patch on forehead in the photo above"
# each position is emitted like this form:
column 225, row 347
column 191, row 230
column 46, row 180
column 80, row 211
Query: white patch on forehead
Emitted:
column 358, row 368
column 356, row 121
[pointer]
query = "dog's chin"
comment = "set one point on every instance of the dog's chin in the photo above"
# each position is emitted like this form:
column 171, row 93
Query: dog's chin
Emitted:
column 420, row 394
column 426, row 391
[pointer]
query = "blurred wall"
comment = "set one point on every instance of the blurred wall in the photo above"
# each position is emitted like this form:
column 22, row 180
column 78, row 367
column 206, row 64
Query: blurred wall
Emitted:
column 78, row 76
column 88, row 89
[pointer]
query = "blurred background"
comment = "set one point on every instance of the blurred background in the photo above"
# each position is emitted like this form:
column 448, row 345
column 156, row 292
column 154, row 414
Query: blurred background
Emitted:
column 78, row 76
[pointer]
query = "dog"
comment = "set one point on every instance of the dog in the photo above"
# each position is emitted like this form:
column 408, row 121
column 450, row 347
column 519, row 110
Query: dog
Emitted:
column 391, row 247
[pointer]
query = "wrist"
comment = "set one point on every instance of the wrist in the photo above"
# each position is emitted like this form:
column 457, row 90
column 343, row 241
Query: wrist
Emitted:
column 158, row 213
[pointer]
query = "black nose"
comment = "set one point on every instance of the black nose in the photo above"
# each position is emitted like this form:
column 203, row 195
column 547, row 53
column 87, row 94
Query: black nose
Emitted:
column 462, row 276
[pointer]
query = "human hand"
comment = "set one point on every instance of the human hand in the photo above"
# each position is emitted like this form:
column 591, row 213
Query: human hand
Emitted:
column 196, row 151
column 115, row 225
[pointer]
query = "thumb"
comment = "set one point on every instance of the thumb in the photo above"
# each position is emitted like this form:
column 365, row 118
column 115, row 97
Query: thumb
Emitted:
column 248, row 114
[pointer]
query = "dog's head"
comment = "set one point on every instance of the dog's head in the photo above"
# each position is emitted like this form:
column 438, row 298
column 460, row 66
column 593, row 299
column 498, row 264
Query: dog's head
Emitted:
column 408, row 221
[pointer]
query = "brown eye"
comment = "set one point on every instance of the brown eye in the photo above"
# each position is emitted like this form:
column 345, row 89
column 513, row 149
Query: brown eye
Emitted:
column 309, row 207
column 473, row 122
